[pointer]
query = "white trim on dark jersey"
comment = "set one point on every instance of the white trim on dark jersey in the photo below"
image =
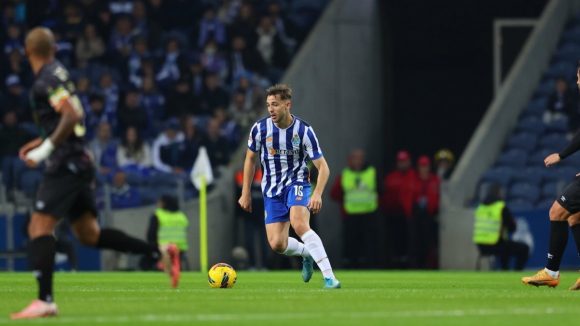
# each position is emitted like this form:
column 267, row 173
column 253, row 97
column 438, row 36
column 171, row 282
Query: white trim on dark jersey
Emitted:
column 283, row 153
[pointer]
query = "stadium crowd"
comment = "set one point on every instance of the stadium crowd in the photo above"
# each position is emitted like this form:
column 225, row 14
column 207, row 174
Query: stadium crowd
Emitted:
column 157, row 79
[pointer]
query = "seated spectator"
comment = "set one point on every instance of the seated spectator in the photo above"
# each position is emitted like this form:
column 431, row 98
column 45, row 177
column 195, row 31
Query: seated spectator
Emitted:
column 229, row 11
column 237, row 110
column 64, row 49
column 104, row 150
column 255, row 95
column 122, row 194
column 96, row 115
column 83, row 86
column 270, row 45
column 16, row 98
column 562, row 102
column 133, row 115
column 73, row 22
column 181, row 102
column 110, row 92
column 165, row 148
column 245, row 25
column 133, row 151
column 210, row 27
column 228, row 128
column 120, row 41
column 13, row 40
column 12, row 137
column 89, row 47
column 146, row 70
column 140, row 51
column 213, row 96
column 244, row 59
column 282, row 25
column 190, row 146
column 197, row 75
column 103, row 23
column 153, row 102
column 173, row 66
column 8, row 17
column 212, row 60
column 216, row 145
column 17, row 66
column 147, row 28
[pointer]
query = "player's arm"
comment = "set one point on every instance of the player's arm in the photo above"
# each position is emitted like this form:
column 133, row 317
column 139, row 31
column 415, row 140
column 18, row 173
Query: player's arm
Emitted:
column 249, row 170
column 315, row 203
column 69, row 118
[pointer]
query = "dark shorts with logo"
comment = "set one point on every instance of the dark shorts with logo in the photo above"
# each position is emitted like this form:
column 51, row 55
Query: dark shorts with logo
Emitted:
column 570, row 197
column 66, row 194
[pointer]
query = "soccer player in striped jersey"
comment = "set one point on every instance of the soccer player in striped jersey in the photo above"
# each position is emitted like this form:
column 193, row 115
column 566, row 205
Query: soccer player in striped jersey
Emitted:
column 284, row 143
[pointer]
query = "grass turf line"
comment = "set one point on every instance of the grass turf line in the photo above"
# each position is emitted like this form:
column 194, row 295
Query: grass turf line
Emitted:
column 372, row 298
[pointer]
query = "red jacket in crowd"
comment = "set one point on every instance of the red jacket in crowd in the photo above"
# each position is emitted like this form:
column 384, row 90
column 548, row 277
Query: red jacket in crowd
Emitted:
column 427, row 190
column 399, row 192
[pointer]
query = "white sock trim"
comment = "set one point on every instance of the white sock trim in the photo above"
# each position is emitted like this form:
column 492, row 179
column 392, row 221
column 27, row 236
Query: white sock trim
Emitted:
column 552, row 273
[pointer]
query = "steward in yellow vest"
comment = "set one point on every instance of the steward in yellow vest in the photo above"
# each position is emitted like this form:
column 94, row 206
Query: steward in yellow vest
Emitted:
column 493, row 223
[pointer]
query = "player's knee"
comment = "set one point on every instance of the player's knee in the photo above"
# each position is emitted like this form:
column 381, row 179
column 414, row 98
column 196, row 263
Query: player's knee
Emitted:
column 88, row 239
column 301, row 228
column 558, row 213
column 278, row 245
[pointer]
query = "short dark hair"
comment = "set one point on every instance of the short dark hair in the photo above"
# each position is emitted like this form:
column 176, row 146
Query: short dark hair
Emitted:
column 283, row 90
column 170, row 203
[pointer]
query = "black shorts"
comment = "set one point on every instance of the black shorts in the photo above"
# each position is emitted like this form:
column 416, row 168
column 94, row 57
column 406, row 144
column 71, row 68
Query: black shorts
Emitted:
column 66, row 194
column 570, row 197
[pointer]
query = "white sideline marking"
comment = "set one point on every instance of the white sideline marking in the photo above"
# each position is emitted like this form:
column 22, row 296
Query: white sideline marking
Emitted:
column 250, row 317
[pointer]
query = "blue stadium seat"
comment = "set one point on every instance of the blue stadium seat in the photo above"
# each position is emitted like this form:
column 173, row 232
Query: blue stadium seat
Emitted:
column 546, row 88
column 568, row 52
column 536, row 108
column 545, row 203
column 525, row 141
column 531, row 175
column 571, row 161
column 524, row 191
column 572, row 35
column 537, row 157
column 163, row 179
column 148, row 196
column 531, row 124
column 502, row 175
column 134, row 179
column 520, row 205
column 516, row 158
column 554, row 141
column 550, row 189
column 29, row 181
column 564, row 173
column 561, row 69
column 560, row 125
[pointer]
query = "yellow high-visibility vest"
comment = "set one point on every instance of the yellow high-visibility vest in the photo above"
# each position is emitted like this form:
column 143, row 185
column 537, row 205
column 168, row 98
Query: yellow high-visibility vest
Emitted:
column 172, row 228
column 360, row 191
column 488, row 220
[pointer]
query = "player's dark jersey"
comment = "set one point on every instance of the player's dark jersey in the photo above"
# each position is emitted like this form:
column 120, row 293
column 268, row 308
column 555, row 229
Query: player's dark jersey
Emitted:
column 51, row 88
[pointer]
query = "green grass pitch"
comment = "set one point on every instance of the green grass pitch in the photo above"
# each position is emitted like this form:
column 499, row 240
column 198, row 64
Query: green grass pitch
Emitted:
column 281, row 298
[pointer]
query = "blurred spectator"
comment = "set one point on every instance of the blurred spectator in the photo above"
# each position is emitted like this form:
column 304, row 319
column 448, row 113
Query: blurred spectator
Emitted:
column 356, row 189
column 73, row 22
column 12, row 137
column 8, row 16
column 153, row 102
column 216, row 144
column 122, row 194
column 103, row 23
column 173, row 66
column 13, row 40
column 181, row 102
column 140, row 51
column 96, row 115
column 16, row 98
column 121, row 7
column 89, row 47
column 83, row 86
column 397, row 202
column 90, row 8
column 562, row 102
column 167, row 225
column 229, row 10
column 166, row 148
column 159, row 12
column 270, row 45
column 110, row 92
column 144, row 27
column 197, row 75
column 423, row 229
column 493, row 223
column 282, row 26
column 255, row 96
column 120, row 41
column 237, row 110
column 243, row 59
column 212, row 60
column 64, row 49
column 213, row 96
column 444, row 162
column 133, row 151
column 245, row 26
column 211, row 28
column 15, row 65
column 43, row 13
column 104, row 150
column 190, row 147
column 133, row 115
column 228, row 128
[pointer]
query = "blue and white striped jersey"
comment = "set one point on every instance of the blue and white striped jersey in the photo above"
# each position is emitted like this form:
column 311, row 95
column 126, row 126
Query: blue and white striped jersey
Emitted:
column 283, row 153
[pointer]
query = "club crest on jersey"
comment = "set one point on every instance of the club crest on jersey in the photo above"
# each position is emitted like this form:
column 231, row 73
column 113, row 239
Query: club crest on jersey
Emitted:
column 296, row 140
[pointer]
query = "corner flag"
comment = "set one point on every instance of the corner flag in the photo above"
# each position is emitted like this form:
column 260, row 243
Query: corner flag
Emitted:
column 201, row 176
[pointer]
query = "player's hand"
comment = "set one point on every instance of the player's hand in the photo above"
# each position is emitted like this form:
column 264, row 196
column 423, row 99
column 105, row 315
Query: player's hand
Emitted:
column 39, row 153
column 246, row 203
column 27, row 147
column 552, row 159
column 315, row 203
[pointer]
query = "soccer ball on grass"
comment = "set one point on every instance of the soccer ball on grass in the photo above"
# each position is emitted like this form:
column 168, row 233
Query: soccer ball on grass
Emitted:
column 221, row 276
